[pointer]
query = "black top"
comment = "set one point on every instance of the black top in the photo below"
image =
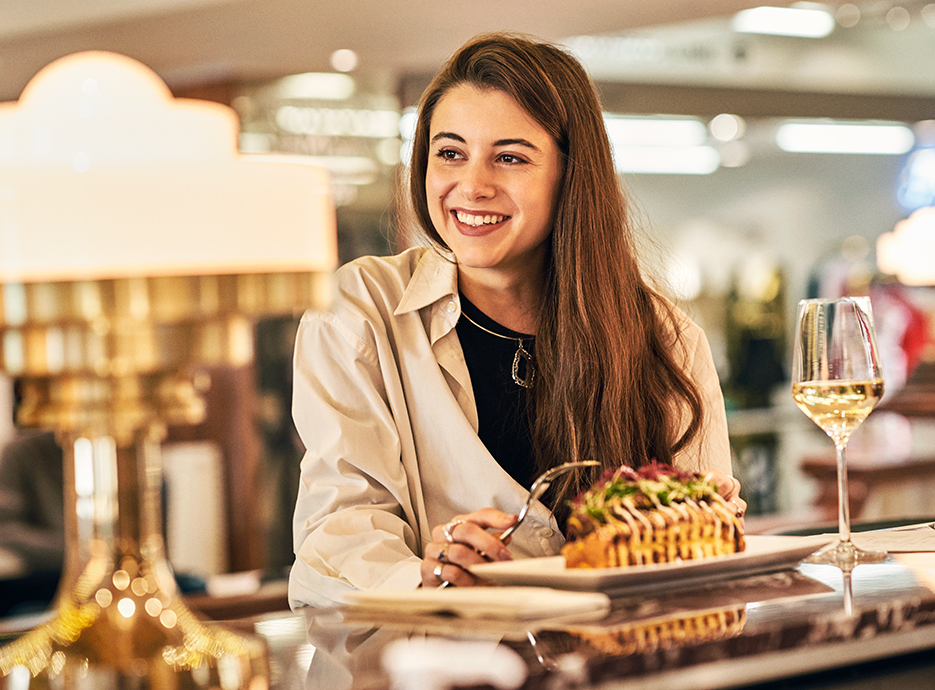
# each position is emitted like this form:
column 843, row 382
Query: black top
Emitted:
column 502, row 416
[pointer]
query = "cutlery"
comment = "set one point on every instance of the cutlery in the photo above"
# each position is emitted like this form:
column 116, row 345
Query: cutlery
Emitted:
column 543, row 481
column 539, row 486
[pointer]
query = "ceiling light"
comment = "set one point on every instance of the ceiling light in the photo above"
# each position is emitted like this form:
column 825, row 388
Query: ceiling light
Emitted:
column 848, row 15
column 652, row 131
column 784, row 21
column 898, row 18
column 928, row 14
column 726, row 127
column 655, row 145
column 316, row 86
column 344, row 60
column 666, row 160
column 836, row 137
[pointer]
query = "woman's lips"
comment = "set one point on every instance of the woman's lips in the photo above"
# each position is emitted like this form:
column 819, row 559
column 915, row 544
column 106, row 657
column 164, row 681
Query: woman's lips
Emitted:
column 477, row 223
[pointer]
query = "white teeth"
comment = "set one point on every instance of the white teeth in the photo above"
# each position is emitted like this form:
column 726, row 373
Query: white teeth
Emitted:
column 470, row 219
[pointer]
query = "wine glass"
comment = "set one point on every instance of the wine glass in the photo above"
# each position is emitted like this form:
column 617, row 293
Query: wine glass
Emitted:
column 836, row 381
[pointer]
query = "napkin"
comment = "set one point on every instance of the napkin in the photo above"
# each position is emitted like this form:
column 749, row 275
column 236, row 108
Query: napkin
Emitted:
column 511, row 603
column 897, row 541
column 910, row 539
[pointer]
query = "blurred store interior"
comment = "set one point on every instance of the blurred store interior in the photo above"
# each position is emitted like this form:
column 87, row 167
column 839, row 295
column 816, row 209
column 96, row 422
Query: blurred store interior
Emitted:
column 742, row 218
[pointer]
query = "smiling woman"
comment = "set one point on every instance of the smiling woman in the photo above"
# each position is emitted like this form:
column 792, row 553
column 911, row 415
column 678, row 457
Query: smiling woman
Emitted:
column 522, row 337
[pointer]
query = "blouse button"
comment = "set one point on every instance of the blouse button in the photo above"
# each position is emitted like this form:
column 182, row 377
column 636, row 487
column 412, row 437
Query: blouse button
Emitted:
column 452, row 307
column 547, row 533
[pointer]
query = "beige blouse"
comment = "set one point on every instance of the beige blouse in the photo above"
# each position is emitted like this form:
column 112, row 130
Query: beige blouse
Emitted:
column 384, row 405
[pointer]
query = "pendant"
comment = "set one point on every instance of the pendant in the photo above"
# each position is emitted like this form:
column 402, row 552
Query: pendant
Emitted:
column 523, row 356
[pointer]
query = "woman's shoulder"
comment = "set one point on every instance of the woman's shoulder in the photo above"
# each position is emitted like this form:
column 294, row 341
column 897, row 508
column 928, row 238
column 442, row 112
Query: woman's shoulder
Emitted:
column 370, row 288
column 676, row 319
column 395, row 268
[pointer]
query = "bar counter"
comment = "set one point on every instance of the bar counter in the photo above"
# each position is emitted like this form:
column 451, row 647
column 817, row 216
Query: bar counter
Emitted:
column 811, row 626
column 807, row 627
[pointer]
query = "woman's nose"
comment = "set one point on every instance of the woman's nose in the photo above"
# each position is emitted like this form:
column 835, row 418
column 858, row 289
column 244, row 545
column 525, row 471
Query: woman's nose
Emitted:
column 477, row 181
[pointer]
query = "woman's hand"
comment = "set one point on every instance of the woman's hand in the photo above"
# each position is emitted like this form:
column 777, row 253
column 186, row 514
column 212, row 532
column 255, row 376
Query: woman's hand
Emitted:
column 462, row 542
column 729, row 489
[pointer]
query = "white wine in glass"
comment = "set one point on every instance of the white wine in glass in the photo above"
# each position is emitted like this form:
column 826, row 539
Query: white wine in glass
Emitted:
column 837, row 380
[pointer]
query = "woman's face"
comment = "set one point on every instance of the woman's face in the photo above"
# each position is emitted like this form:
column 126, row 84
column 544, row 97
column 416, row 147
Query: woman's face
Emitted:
column 492, row 179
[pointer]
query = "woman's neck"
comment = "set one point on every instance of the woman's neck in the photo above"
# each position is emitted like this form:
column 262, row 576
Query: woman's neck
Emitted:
column 511, row 303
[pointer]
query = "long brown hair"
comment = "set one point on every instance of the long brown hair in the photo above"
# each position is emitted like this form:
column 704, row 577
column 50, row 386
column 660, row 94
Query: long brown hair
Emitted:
column 608, row 385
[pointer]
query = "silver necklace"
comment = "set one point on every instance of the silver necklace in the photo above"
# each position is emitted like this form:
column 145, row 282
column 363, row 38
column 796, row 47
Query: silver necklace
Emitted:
column 522, row 355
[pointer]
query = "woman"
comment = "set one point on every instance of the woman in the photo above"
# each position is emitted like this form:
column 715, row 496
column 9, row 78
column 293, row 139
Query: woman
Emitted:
column 446, row 378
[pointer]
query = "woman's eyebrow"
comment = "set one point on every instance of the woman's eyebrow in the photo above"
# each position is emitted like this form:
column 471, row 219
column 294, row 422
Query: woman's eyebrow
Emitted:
column 448, row 135
column 516, row 142
column 500, row 142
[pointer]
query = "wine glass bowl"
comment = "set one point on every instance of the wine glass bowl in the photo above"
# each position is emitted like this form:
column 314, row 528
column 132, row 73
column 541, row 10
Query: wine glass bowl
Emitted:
column 837, row 380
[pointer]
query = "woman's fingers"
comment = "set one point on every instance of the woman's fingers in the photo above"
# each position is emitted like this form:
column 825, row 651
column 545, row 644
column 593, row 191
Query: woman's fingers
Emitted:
column 473, row 529
column 449, row 563
column 729, row 489
column 464, row 541
column 727, row 486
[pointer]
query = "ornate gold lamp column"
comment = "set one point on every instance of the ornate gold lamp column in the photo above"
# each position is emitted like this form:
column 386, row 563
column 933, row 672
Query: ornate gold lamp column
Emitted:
column 136, row 247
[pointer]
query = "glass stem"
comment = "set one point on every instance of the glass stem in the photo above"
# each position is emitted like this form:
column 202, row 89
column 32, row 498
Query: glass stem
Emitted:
column 844, row 511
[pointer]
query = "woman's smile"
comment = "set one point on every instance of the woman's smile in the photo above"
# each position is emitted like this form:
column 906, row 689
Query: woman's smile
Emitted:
column 478, row 223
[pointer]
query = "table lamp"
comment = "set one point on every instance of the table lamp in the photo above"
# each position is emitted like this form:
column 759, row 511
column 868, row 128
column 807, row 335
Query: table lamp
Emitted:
column 136, row 246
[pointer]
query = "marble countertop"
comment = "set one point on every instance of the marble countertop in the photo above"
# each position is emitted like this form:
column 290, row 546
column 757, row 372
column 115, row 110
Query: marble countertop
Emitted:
column 730, row 634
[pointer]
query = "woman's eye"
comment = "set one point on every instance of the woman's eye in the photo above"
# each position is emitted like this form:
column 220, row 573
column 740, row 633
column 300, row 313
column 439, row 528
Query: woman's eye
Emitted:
column 510, row 159
column 447, row 154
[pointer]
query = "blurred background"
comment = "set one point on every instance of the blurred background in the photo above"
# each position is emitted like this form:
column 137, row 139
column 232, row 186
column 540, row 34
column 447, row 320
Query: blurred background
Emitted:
column 742, row 214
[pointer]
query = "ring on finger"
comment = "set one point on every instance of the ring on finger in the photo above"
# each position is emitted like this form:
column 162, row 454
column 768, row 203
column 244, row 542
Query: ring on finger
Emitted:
column 448, row 529
column 437, row 572
column 443, row 553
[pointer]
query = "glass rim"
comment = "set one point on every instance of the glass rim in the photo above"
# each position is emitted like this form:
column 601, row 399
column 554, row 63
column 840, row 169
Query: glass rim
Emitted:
column 831, row 300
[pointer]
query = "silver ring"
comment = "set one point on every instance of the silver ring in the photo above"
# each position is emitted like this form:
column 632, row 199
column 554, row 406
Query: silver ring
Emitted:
column 437, row 572
column 443, row 554
column 449, row 528
column 740, row 511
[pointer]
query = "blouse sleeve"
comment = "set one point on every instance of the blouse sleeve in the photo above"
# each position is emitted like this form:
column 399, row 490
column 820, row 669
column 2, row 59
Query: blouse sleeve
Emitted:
column 710, row 449
column 353, row 519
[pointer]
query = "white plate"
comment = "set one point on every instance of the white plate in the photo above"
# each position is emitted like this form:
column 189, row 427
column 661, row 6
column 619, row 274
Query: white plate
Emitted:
column 763, row 554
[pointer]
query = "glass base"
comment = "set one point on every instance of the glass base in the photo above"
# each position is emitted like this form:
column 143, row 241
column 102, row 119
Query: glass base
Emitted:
column 846, row 555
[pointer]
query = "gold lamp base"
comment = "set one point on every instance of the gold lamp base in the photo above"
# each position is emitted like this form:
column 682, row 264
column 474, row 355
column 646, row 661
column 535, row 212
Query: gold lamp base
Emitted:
column 108, row 364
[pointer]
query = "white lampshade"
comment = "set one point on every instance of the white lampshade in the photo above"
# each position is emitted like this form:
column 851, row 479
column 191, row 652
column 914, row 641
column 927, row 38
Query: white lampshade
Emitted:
column 103, row 174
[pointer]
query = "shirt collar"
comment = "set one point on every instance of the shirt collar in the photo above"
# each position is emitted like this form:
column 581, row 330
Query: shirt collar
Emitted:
column 435, row 277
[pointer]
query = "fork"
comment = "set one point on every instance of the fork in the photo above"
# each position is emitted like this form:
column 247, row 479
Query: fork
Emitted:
column 543, row 481
column 535, row 492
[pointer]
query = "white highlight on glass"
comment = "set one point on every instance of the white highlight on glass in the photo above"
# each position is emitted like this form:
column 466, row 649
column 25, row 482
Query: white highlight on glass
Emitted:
column 836, row 137
column 784, row 21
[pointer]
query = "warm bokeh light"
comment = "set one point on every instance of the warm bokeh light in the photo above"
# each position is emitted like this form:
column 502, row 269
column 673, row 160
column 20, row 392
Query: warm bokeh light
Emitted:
column 909, row 251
